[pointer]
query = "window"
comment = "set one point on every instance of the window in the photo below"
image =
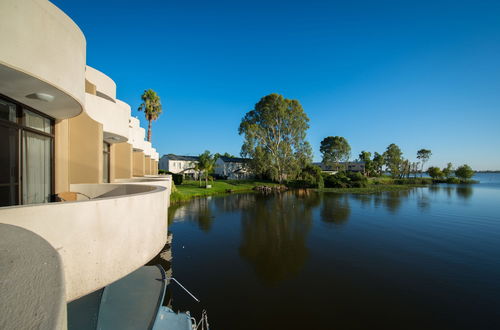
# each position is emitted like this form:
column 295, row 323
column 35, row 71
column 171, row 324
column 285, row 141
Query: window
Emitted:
column 26, row 159
column 105, row 162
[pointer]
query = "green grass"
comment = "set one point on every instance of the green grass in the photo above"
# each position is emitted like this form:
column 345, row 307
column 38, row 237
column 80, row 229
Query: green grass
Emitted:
column 191, row 189
column 373, row 188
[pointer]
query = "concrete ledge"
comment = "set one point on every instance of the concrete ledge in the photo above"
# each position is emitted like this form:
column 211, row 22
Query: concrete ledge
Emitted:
column 31, row 282
column 99, row 240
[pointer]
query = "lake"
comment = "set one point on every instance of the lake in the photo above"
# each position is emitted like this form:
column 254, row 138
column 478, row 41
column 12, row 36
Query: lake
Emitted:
column 426, row 258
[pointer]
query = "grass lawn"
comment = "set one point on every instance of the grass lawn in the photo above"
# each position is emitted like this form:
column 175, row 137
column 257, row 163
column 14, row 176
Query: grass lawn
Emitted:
column 190, row 189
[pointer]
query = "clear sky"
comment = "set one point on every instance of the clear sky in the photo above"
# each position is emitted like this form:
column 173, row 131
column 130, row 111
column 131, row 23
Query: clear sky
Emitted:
column 421, row 74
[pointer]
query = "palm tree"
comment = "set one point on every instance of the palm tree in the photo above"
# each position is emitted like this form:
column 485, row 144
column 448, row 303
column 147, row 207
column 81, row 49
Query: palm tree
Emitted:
column 206, row 163
column 151, row 106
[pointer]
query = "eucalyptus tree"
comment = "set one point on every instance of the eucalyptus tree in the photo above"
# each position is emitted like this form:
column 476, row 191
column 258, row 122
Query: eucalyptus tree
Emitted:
column 365, row 156
column 378, row 162
column 393, row 157
column 275, row 137
column 151, row 105
column 424, row 155
column 335, row 149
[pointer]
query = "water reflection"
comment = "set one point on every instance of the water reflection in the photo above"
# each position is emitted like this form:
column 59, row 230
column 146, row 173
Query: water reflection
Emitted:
column 198, row 210
column 464, row 192
column 335, row 209
column 274, row 233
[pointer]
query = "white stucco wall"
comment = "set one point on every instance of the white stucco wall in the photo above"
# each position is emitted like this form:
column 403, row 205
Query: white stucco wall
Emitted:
column 99, row 240
column 43, row 50
column 103, row 83
column 114, row 117
column 136, row 134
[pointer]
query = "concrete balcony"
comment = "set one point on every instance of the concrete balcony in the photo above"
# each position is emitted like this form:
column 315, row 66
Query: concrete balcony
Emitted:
column 114, row 117
column 136, row 134
column 111, row 230
column 105, row 86
column 42, row 62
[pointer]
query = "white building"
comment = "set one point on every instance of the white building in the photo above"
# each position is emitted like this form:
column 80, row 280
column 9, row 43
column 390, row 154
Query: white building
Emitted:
column 179, row 164
column 232, row 168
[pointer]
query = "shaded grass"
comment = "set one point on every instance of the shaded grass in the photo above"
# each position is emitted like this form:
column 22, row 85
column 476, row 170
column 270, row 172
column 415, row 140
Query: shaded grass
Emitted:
column 190, row 189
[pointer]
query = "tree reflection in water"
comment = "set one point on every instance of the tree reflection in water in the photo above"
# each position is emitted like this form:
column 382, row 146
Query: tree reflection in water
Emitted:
column 464, row 191
column 197, row 210
column 274, row 233
column 335, row 209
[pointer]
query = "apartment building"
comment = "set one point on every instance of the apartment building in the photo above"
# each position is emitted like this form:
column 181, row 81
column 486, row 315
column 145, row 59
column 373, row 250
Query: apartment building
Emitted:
column 180, row 165
column 232, row 168
column 80, row 203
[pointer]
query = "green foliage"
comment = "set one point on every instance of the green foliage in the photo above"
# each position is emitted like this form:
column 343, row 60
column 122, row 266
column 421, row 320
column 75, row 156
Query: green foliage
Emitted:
column 377, row 163
column 151, row 106
column 335, row 149
column 177, row 178
column 206, row 164
column 424, row 155
column 275, row 138
column 464, row 172
column 160, row 171
column 393, row 158
column 345, row 180
column 309, row 177
column 435, row 172
column 226, row 154
column 448, row 171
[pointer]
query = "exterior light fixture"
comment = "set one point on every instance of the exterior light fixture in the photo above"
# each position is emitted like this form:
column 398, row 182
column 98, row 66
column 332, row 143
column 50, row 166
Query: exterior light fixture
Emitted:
column 41, row 96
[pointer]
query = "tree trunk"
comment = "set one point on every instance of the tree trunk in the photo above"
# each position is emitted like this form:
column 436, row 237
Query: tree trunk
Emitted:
column 199, row 177
column 149, row 130
column 206, row 179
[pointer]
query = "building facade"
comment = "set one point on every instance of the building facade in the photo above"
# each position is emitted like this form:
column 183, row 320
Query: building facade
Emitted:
column 232, row 168
column 77, row 178
column 180, row 165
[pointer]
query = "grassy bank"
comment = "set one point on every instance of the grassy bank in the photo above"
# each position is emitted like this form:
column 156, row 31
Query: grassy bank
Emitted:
column 191, row 189
column 372, row 188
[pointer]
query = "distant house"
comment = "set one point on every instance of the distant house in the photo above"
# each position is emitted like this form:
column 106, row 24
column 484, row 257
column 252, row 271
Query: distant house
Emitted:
column 350, row 166
column 232, row 168
column 179, row 164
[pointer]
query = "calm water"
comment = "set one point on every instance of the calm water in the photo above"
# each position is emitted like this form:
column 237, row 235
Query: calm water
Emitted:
column 428, row 258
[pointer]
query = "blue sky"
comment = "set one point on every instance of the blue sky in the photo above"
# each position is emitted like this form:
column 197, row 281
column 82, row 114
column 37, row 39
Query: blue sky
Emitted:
column 421, row 74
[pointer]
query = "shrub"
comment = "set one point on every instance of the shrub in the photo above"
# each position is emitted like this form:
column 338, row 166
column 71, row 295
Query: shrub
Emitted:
column 345, row 180
column 435, row 172
column 160, row 171
column 177, row 178
column 464, row 172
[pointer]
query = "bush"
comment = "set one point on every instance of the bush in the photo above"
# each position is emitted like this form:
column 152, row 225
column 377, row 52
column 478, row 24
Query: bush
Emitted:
column 177, row 178
column 464, row 172
column 160, row 171
column 345, row 180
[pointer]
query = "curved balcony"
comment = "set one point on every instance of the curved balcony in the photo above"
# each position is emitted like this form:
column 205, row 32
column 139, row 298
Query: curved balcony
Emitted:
column 136, row 134
column 105, row 86
column 101, row 239
column 42, row 65
column 114, row 117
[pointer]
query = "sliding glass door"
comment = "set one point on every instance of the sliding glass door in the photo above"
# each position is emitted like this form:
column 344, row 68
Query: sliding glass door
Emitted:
column 26, row 156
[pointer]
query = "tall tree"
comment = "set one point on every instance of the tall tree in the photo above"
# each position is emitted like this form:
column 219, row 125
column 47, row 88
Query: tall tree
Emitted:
column 206, row 163
column 275, row 137
column 335, row 149
column 448, row 170
column 365, row 156
column 393, row 158
column 378, row 162
column 151, row 106
column 424, row 155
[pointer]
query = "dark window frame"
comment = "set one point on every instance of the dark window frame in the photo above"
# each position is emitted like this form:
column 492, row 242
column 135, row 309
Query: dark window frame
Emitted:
column 19, row 125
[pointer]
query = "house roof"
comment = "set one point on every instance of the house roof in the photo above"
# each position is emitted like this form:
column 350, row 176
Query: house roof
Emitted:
column 177, row 157
column 233, row 159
